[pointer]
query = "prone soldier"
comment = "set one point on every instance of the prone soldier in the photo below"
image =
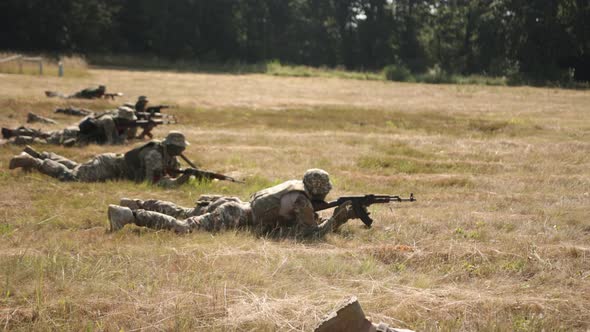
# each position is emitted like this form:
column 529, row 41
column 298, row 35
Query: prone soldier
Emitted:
column 106, row 128
column 88, row 93
column 91, row 93
column 74, row 111
column 26, row 135
column 154, row 162
column 285, row 209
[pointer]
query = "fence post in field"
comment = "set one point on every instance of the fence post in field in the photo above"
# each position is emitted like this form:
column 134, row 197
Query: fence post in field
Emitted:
column 20, row 65
column 60, row 69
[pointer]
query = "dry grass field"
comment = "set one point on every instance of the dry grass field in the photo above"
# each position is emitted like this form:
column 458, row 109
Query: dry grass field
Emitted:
column 498, row 240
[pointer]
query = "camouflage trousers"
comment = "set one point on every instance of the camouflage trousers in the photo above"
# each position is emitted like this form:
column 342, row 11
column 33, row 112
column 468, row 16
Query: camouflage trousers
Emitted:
column 212, row 213
column 74, row 111
column 215, row 213
column 24, row 135
column 205, row 204
column 103, row 167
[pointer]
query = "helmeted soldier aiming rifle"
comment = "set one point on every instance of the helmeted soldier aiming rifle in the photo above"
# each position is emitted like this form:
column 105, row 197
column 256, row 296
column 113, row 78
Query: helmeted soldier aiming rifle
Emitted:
column 88, row 93
column 285, row 210
column 154, row 162
column 106, row 128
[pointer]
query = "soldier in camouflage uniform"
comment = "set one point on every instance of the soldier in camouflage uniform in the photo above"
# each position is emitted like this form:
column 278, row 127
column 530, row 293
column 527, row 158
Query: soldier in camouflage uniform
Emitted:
column 105, row 128
column 26, row 135
column 205, row 203
column 141, row 104
column 88, row 93
column 285, row 209
column 154, row 162
column 91, row 93
column 73, row 111
column 139, row 107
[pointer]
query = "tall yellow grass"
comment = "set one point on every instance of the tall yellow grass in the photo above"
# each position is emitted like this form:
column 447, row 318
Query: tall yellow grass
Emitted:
column 498, row 240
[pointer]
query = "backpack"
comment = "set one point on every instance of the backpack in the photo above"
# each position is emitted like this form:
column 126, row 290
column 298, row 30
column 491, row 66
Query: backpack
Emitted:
column 88, row 126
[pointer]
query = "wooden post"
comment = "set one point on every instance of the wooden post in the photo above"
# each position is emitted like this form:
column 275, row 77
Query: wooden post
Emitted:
column 60, row 69
column 20, row 65
column 40, row 66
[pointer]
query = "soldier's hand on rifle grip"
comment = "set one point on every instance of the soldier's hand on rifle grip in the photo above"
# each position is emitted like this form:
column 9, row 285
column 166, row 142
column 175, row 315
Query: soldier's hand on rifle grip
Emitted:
column 354, row 215
column 349, row 213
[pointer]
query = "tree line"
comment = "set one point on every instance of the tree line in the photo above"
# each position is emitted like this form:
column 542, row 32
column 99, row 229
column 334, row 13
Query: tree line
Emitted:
column 541, row 39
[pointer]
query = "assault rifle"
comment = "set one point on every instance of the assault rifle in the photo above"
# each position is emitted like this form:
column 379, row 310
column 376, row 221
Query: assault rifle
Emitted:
column 165, row 118
column 360, row 202
column 112, row 95
column 156, row 109
column 202, row 174
column 146, row 125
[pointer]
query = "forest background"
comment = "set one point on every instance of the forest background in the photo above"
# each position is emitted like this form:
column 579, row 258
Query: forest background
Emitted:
column 530, row 42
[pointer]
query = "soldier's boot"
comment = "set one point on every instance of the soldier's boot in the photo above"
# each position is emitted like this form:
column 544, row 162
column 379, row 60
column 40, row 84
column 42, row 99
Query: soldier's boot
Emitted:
column 133, row 204
column 24, row 161
column 156, row 220
column 119, row 216
column 29, row 150
column 7, row 133
column 32, row 117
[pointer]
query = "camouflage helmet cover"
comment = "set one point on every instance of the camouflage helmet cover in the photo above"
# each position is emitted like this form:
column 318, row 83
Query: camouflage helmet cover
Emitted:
column 126, row 113
column 142, row 98
column 176, row 138
column 317, row 182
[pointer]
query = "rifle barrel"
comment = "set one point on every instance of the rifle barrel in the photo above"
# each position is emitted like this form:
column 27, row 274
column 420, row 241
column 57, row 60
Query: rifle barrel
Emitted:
column 367, row 199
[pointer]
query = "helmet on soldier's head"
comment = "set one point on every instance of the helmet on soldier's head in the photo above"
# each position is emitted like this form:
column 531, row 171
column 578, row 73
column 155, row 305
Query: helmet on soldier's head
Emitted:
column 102, row 87
column 126, row 113
column 317, row 183
column 176, row 138
column 142, row 98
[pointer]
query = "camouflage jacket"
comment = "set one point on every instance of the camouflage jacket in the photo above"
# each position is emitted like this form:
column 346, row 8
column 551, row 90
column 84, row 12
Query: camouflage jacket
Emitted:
column 286, row 205
column 150, row 162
